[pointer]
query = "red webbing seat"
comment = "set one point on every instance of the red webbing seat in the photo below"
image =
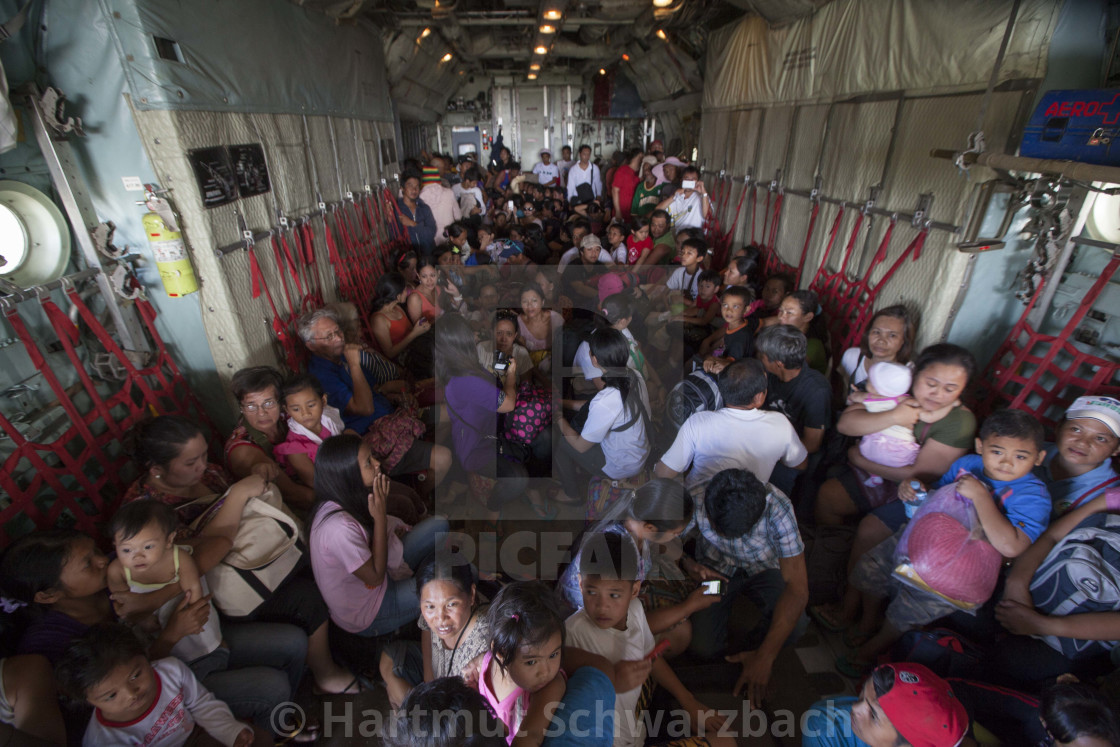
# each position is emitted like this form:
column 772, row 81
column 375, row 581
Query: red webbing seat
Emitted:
column 849, row 302
column 76, row 478
column 1042, row 374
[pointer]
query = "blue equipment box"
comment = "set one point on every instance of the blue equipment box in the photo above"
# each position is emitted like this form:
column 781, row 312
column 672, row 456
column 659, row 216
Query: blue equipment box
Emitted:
column 1078, row 126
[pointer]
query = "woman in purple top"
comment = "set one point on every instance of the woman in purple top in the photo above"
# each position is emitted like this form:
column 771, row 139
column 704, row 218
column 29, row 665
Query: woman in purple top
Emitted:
column 474, row 399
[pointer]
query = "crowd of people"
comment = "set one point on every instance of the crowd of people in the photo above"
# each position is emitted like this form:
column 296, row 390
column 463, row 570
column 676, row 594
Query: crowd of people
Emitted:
column 554, row 343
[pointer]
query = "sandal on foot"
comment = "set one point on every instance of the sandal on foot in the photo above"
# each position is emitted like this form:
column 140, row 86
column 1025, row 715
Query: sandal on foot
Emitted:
column 851, row 667
column 823, row 617
column 554, row 496
column 545, row 510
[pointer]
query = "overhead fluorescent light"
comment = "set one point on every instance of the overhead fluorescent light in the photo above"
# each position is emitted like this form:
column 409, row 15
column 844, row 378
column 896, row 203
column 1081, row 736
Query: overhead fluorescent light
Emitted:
column 546, row 29
column 552, row 15
column 542, row 49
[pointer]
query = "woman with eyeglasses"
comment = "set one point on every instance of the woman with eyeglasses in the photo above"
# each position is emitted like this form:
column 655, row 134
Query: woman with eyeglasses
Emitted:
column 248, row 449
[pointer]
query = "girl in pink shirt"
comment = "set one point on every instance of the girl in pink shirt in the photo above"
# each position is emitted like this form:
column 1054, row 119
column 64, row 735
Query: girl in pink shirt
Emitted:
column 310, row 422
column 521, row 677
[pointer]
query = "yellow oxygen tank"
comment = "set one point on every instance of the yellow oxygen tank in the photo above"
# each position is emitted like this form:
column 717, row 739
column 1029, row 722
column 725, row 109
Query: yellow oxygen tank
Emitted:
column 171, row 256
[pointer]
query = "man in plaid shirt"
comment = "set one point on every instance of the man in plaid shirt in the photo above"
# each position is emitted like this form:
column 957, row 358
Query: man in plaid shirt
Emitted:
column 748, row 538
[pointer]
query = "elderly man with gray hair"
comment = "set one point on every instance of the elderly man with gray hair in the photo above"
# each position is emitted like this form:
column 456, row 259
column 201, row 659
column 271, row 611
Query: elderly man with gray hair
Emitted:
column 350, row 378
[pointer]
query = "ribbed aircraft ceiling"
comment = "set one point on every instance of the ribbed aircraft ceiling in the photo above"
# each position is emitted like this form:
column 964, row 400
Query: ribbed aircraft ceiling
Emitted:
column 501, row 36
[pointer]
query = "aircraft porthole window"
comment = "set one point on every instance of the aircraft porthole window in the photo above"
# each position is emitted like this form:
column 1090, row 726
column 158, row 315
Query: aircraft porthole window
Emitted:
column 13, row 239
column 34, row 237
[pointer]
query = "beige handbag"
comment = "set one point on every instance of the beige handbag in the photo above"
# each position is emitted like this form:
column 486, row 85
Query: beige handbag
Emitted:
column 268, row 549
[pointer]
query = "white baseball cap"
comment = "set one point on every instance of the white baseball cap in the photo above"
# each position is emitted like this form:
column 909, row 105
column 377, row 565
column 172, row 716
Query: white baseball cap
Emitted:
column 1104, row 409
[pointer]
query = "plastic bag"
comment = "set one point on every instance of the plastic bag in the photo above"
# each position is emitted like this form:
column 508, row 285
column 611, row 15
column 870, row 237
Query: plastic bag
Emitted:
column 944, row 551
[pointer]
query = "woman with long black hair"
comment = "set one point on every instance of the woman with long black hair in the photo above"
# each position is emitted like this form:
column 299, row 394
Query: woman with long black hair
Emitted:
column 391, row 326
column 363, row 558
column 614, row 441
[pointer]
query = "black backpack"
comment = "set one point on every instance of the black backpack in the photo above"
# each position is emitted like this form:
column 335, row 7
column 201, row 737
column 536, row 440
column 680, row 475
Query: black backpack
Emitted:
column 696, row 392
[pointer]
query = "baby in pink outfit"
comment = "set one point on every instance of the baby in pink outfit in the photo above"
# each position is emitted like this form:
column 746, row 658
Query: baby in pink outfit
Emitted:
column 887, row 385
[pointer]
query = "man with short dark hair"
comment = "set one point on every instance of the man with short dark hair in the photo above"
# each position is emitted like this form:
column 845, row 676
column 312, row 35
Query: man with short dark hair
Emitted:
column 664, row 242
column 747, row 536
column 739, row 435
column 445, row 713
column 584, row 172
column 690, row 204
column 564, row 164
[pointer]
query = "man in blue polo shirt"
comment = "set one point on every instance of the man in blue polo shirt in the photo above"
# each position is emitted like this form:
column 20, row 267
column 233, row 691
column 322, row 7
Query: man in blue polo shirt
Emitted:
column 347, row 375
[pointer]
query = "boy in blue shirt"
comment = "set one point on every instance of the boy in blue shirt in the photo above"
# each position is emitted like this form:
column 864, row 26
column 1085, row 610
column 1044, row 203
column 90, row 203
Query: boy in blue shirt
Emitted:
column 1013, row 507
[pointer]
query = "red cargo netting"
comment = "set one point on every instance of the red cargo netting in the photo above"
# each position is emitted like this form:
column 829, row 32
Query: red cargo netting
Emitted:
column 1043, row 374
column 76, row 478
column 849, row 303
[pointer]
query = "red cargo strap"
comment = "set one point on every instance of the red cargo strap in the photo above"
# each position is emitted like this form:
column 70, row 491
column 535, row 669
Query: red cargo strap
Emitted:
column 832, row 234
column 808, row 239
column 754, row 208
column 288, row 345
column 287, row 250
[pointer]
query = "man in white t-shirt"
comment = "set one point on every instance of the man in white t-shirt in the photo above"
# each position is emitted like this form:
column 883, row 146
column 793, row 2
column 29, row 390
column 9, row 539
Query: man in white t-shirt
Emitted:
column 548, row 173
column 689, row 205
column 584, row 172
column 740, row 435
column 469, row 194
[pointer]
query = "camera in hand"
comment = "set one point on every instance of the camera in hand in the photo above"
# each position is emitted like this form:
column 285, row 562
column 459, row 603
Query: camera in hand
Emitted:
column 501, row 361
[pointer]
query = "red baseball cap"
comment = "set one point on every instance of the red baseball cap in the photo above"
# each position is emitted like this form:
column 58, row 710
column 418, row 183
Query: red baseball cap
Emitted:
column 922, row 707
column 656, row 146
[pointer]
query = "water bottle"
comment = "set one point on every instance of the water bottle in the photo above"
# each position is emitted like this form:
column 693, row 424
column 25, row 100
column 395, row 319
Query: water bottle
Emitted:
column 919, row 497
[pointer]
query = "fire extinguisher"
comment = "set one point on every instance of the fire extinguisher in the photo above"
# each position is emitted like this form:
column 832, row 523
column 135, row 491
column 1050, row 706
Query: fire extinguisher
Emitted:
column 168, row 247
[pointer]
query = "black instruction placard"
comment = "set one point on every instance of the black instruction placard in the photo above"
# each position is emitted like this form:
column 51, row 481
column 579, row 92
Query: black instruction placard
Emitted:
column 213, row 169
column 251, row 170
